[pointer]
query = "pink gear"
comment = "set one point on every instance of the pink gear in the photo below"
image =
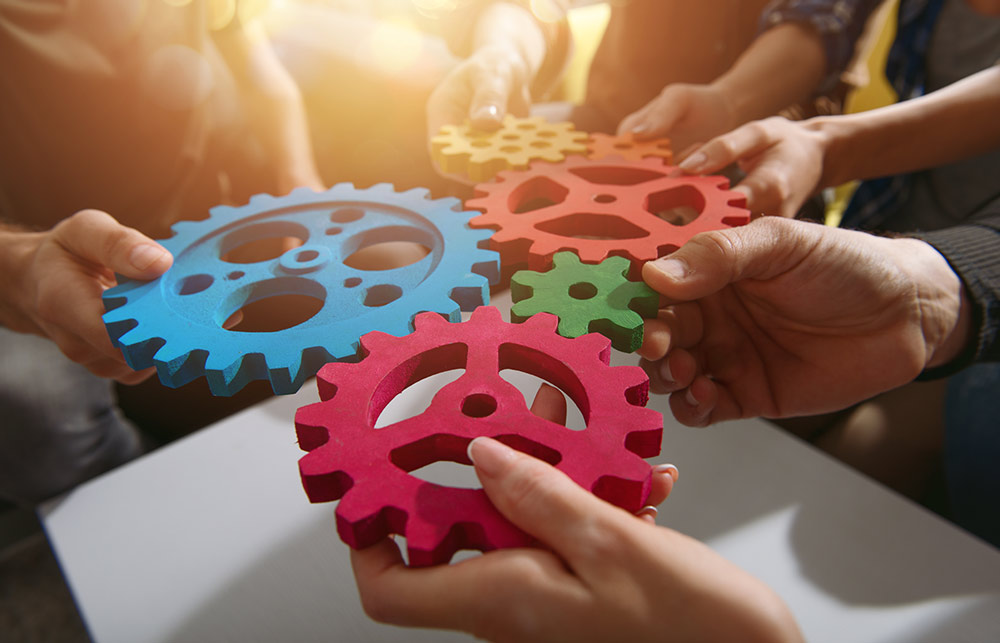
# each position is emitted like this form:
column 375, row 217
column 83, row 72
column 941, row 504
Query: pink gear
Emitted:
column 600, row 208
column 367, row 468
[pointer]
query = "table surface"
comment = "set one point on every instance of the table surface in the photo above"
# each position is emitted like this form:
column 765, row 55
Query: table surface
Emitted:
column 211, row 538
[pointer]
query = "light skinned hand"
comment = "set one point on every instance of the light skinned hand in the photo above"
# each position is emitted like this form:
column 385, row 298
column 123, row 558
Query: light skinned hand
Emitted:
column 607, row 575
column 63, row 273
column 783, row 161
column 482, row 89
column 780, row 318
column 684, row 113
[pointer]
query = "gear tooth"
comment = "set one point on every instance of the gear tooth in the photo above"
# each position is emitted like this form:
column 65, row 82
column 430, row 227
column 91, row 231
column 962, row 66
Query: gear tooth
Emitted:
column 427, row 320
column 565, row 260
column 262, row 200
column 472, row 291
column 382, row 189
column 419, row 193
column 486, row 315
column 222, row 212
column 594, row 344
column 303, row 192
column 543, row 322
column 341, row 190
column 376, row 340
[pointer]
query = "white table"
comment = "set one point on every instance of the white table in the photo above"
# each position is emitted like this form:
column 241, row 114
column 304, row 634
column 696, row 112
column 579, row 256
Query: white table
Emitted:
column 211, row 538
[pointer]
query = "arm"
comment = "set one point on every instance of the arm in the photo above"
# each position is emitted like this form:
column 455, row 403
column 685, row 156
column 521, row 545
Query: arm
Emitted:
column 780, row 318
column 51, row 284
column 274, row 104
column 800, row 52
column 787, row 162
column 605, row 575
column 511, row 52
column 781, row 67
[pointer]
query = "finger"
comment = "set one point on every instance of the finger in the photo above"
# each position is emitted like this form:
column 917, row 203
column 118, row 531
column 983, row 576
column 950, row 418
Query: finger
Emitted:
column 633, row 122
column 695, row 405
column 688, row 151
column 664, row 478
column 712, row 260
column 97, row 238
column 672, row 373
column 748, row 140
column 547, row 504
column 489, row 100
column 676, row 326
column 648, row 514
column 476, row 595
column 669, row 109
column 550, row 404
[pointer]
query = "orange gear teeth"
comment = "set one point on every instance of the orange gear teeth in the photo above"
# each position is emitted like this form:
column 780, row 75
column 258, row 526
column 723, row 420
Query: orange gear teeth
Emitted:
column 479, row 155
column 604, row 145
column 640, row 210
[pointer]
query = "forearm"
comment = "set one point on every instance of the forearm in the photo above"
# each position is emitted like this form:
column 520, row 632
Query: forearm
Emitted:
column 783, row 66
column 956, row 122
column 513, row 29
column 275, row 109
column 17, row 247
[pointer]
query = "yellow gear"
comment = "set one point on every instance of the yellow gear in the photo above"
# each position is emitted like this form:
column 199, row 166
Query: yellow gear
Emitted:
column 460, row 149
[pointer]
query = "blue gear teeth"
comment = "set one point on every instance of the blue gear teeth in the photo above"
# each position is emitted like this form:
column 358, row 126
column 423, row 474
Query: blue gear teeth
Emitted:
column 175, row 323
column 586, row 298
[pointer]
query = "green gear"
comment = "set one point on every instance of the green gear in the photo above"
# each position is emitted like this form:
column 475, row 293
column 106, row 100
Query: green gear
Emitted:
column 587, row 298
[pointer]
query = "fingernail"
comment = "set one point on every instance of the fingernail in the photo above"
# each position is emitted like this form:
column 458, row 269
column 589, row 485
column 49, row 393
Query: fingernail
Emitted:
column 689, row 396
column 665, row 375
column 668, row 468
column 673, row 268
column 145, row 255
column 489, row 456
column 694, row 162
column 640, row 128
column 487, row 113
column 648, row 510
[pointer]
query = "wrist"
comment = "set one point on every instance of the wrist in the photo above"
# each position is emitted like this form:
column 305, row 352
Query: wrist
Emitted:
column 834, row 140
column 944, row 309
column 17, row 251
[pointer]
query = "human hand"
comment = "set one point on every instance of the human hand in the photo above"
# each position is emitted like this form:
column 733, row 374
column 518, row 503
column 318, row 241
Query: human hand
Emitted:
column 61, row 275
column 783, row 161
column 781, row 318
column 685, row 113
column 483, row 88
column 606, row 575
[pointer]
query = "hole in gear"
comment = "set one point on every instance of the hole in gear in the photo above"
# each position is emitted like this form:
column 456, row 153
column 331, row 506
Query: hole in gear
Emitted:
column 582, row 290
column 387, row 255
column 346, row 215
column 535, row 194
column 605, row 198
column 352, row 282
column 592, row 226
column 194, row 284
column 614, row 175
column 278, row 312
column 479, row 405
column 678, row 205
column 382, row 294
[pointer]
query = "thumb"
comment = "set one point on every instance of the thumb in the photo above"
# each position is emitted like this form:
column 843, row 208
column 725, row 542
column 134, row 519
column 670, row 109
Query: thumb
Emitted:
column 712, row 260
column 489, row 102
column 97, row 237
column 540, row 499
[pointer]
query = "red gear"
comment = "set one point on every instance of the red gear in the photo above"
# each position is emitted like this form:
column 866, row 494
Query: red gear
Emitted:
column 348, row 458
column 564, row 206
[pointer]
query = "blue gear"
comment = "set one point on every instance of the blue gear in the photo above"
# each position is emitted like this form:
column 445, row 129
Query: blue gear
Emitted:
column 175, row 322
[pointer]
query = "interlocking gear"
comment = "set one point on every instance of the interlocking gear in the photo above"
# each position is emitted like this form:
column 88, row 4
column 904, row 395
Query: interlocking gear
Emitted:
column 367, row 468
column 601, row 208
column 462, row 150
column 176, row 322
column 626, row 146
column 586, row 298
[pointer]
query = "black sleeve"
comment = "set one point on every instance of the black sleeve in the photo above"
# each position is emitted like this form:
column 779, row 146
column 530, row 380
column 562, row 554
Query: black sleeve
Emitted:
column 973, row 250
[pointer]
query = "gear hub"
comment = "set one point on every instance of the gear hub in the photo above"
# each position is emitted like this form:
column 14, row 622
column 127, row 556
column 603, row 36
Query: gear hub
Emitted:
column 176, row 322
column 586, row 298
column 367, row 468
column 641, row 210
column 479, row 155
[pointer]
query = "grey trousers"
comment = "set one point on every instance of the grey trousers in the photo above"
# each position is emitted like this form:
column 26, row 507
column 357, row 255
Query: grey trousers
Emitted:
column 59, row 424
